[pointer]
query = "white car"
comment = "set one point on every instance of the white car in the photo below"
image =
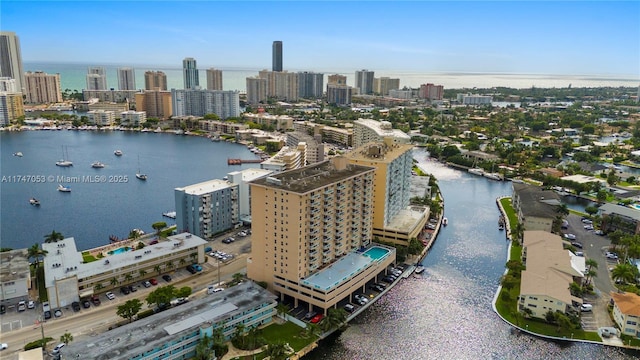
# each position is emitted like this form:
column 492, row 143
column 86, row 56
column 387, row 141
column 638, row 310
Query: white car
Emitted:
column 213, row 289
column 31, row 304
column 22, row 306
column 58, row 347
column 3, row 346
column 110, row 295
column 586, row 307
column 611, row 256
column 570, row 236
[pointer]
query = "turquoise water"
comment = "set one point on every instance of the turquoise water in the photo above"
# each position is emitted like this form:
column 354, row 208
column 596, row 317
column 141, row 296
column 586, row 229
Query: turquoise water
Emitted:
column 636, row 206
column 376, row 252
column 119, row 250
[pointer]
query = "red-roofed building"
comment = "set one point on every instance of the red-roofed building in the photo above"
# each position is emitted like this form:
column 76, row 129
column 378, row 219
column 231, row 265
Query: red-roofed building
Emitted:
column 626, row 313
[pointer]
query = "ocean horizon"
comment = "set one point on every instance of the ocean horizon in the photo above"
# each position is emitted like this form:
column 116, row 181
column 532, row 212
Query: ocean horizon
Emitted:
column 73, row 76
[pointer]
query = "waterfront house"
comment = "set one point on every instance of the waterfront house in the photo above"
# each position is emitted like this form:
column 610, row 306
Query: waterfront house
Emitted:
column 536, row 208
column 626, row 312
column 550, row 270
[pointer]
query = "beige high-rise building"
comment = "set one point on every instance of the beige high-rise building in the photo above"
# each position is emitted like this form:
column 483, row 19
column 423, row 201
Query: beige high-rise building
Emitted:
column 214, row 79
column 11, row 107
column 42, row 88
column 155, row 80
column 157, row 104
column 256, row 90
column 11, row 59
column 381, row 86
column 281, row 85
column 394, row 219
column 337, row 79
column 312, row 239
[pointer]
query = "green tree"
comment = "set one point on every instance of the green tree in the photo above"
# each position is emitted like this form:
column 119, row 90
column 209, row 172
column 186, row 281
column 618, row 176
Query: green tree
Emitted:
column 134, row 234
column 161, row 296
column 602, row 195
column 563, row 321
column 591, row 210
column 129, row 309
column 509, row 281
column 66, row 338
column 625, row 272
column 204, row 349
column 311, row 331
column 53, row 237
column 35, row 253
column 184, row 292
column 158, row 226
column 277, row 350
column 282, row 309
column 336, row 317
column 550, row 317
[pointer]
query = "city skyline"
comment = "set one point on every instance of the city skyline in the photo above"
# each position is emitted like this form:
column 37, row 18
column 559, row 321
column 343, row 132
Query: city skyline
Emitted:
column 478, row 37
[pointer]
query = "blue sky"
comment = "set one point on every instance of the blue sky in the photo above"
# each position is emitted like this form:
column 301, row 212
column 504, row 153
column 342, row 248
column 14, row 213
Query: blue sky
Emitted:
column 541, row 37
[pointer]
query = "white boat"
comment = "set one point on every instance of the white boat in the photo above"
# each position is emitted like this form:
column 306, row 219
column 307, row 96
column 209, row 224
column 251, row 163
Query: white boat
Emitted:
column 97, row 165
column 139, row 174
column 445, row 221
column 476, row 171
column 34, row 202
column 169, row 214
column 63, row 188
column 64, row 162
column 215, row 138
column 18, row 154
column 118, row 153
column 419, row 269
column 225, row 178
column 493, row 176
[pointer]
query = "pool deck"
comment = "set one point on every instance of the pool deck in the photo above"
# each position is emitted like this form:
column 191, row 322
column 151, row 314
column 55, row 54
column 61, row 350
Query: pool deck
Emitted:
column 344, row 269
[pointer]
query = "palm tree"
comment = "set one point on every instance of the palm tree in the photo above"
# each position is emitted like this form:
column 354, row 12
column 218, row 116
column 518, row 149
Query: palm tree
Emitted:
column 203, row 349
column 114, row 282
column 66, row 338
column 312, row 330
column 128, row 277
column 282, row 309
column 169, row 265
column 53, row 237
column 625, row 272
column 98, row 287
column 157, row 269
column 35, row 253
column 142, row 272
column 335, row 318
column 237, row 277
column 134, row 234
column 183, row 261
column 277, row 350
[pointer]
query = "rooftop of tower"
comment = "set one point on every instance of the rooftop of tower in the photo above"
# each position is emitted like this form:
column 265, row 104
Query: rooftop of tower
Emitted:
column 314, row 176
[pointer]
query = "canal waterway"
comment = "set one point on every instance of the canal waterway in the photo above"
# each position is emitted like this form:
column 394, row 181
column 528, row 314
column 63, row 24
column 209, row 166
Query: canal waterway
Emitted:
column 446, row 313
column 102, row 202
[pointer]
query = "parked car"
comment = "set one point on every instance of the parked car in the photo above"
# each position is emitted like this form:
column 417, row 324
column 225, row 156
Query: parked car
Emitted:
column 31, row 304
column 95, row 300
column 361, row 298
column 349, row 307
column 586, row 307
column 57, row 313
column 588, row 227
column 3, row 309
column 191, row 269
column 22, row 306
column 228, row 240
column 599, row 232
column 587, row 221
column 125, row 290
column 58, row 347
column 47, row 315
column 197, row 267
column 110, row 295
column 570, row 236
column 3, row 346
column 153, row 281
column 577, row 244
column 166, row 277
column 212, row 289
column 76, row 306
column 310, row 315
column 133, row 288
column 316, row 319
column 86, row 304
column 611, row 256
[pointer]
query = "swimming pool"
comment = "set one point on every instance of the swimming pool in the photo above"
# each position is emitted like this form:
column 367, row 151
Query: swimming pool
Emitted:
column 635, row 206
column 376, row 252
column 119, row 250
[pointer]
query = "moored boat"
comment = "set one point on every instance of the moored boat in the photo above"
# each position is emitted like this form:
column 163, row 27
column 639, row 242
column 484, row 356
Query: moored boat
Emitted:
column 118, row 153
column 18, row 154
column 493, row 176
column 141, row 176
column 97, row 165
column 419, row 269
column 63, row 188
column 476, row 171
column 445, row 221
column 34, row 202
column 169, row 214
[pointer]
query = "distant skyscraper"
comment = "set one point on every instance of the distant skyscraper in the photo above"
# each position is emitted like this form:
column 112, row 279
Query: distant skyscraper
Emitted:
column 381, row 86
column 155, row 80
column 339, row 94
column 214, row 79
column 11, row 59
column 277, row 56
column 310, row 85
column 200, row 102
column 11, row 107
column 126, row 78
column 337, row 79
column 8, row 84
column 96, row 78
column 190, row 73
column 364, row 82
column 42, row 88
column 256, row 90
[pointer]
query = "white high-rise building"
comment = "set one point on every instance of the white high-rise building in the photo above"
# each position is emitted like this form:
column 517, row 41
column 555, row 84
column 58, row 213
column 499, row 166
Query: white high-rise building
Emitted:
column 96, row 78
column 8, row 84
column 126, row 78
column 11, row 59
column 369, row 130
column 200, row 102
column 190, row 73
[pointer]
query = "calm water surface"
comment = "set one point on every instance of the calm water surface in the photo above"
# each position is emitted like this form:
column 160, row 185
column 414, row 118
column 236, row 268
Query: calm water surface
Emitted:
column 446, row 313
column 93, row 211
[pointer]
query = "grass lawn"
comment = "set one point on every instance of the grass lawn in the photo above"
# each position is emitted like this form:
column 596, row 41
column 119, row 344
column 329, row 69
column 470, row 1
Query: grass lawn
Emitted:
column 42, row 290
column 87, row 258
column 287, row 332
column 511, row 213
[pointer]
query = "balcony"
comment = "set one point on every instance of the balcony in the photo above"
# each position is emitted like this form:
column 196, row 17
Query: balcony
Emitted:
column 326, row 247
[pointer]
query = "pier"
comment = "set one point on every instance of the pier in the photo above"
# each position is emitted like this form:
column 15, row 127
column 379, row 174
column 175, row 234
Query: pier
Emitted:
column 243, row 161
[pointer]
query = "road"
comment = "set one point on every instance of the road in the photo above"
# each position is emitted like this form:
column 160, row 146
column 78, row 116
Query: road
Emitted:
column 97, row 319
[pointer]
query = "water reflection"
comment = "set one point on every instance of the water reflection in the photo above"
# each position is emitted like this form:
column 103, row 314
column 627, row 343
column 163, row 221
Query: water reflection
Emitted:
column 446, row 313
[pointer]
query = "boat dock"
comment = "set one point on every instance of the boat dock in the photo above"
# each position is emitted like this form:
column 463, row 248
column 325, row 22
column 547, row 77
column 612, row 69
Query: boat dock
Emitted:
column 243, row 161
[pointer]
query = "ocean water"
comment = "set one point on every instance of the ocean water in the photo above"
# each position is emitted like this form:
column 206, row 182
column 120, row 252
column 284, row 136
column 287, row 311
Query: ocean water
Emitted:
column 73, row 76
column 102, row 202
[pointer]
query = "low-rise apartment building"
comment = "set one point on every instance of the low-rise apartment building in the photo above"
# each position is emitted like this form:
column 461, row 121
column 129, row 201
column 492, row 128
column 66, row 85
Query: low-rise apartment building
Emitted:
column 626, row 312
column 71, row 274
column 536, row 208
